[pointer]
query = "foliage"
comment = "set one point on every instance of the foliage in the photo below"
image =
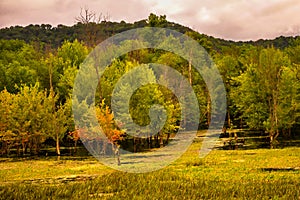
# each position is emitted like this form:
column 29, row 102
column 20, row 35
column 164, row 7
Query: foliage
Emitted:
column 39, row 63
column 38, row 66
column 106, row 121
column 267, row 93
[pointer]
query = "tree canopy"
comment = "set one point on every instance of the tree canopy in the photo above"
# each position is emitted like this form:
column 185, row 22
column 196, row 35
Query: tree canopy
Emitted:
column 39, row 63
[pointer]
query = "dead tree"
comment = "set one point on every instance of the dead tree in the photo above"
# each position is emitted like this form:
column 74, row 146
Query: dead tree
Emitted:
column 90, row 20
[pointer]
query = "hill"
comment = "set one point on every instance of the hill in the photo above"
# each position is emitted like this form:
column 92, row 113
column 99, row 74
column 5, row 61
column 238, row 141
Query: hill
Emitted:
column 92, row 33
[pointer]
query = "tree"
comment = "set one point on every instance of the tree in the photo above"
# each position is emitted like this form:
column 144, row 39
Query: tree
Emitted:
column 7, row 136
column 68, row 59
column 157, row 21
column 63, row 67
column 29, row 117
column 90, row 21
column 58, row 117
column 125, row 108
column 289, row 107
column 110, row 129
column 229, row 68
column 19, row 64
column 261, row 96
column 88, row 16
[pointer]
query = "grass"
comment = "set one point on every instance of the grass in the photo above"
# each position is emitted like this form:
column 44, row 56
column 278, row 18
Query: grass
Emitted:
column 22, row 170
column 223, row 174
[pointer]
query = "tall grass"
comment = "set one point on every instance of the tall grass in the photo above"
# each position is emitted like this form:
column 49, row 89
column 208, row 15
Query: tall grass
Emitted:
column 236, row 174
column 159, row 185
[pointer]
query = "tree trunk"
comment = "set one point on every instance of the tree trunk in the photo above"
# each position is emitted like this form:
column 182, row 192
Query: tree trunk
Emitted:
column 161, row 142
column 156, row 140
column 271, row 140
column 75, row 146
column 117, row 153
column 190, row 68
column 134, row 145
column 24, row 147
column 168, row 137
column 208, row 109
column 57, row 146
column 149, row 141
column 97, row 73
column 6, row 150
column 228, row 119
column 241, row 123
column 235, row 140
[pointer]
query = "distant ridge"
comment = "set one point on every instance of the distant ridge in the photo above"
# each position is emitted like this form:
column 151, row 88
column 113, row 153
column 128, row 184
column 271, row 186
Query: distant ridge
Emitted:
column 54, row 36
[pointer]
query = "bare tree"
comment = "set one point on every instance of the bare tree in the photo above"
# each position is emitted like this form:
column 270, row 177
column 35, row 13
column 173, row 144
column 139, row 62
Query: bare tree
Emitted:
column 88, row 16
column 91, row 20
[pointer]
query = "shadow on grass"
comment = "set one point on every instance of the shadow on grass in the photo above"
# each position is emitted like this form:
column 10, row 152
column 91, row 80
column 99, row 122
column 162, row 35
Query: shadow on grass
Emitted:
column 280, row 169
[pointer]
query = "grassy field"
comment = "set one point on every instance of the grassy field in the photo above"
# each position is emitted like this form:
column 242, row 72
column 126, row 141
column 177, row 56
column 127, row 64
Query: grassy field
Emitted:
column 223, row 174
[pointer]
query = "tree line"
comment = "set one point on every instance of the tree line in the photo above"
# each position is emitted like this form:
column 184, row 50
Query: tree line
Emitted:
column 36, row 83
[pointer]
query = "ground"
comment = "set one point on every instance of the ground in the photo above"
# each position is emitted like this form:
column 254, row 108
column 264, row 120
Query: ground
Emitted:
column 223, row 174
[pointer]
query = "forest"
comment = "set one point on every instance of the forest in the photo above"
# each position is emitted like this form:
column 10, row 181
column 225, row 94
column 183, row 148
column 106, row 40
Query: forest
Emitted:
column 50, row 146
column 39, row 63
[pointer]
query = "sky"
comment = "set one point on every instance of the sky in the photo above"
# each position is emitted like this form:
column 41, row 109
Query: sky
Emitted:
column 228, row 19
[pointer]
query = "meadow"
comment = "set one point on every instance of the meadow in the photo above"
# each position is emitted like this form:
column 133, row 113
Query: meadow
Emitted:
column 45, row 109
column 223, row 174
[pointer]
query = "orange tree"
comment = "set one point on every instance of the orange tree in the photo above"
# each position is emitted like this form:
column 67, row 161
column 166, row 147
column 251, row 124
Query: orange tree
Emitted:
column 110, row 129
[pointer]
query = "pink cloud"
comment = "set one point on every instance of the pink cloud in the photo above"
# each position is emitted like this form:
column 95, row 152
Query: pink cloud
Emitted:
column 232, row 19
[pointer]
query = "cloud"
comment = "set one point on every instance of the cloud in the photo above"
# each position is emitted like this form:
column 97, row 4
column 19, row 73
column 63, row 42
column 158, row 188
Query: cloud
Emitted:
column 21, row 12
column 240, row 19
column 231, row 19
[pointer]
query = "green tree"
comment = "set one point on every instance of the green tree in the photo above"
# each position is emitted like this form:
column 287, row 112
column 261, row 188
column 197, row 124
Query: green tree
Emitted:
column 261, row 96
column 157, row 21
column 19, row 63
column 229, row 68
column 289, row 107
column 58, row 117
column 7, row 136
column 63, row 67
